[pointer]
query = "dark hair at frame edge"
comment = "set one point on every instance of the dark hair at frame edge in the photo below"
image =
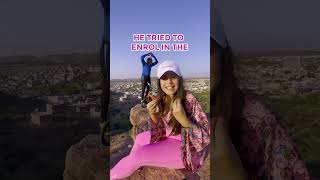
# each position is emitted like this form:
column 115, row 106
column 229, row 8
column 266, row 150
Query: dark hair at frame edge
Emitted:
column 226, row 98
column 104, row 58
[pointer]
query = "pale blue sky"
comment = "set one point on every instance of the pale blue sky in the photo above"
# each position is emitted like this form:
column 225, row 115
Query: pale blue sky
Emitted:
column 167, row 16
column 42, row 27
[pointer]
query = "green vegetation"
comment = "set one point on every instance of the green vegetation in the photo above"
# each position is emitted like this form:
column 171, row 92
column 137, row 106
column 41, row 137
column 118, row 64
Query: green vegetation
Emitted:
column 6, row 115
column 67, row 89
column 204, row 98
column 300, row 115
column 91, row 77
column 72, row 88
column 121, row 122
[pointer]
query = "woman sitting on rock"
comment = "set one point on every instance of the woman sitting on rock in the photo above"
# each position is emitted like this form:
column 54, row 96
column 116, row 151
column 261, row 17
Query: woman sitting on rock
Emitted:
column 179, row 131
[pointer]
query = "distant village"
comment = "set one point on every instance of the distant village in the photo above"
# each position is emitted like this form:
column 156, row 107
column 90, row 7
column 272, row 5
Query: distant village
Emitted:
column 264, row 75
column 279, row 75
column 73, row 107
column 57, row 108
column 23, row 81
column 132, row 88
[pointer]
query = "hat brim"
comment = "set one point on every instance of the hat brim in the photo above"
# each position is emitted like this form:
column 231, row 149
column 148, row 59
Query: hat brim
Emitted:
column 160, row 75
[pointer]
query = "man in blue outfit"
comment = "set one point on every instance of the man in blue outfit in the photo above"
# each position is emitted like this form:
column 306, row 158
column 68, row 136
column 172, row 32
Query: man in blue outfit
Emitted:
column 145, row 77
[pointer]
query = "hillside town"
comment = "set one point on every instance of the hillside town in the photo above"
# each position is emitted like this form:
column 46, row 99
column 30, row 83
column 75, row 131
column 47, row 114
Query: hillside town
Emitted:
column 25, row 81
column 279, row 75
column 66, row 110
column 68, row 90
column 62, row 105
column 132, row 87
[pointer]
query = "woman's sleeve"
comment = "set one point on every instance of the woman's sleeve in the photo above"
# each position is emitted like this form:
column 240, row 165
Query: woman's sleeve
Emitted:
column 195, row 138
column 281, row 157
column 157, row 130
column 198, row 134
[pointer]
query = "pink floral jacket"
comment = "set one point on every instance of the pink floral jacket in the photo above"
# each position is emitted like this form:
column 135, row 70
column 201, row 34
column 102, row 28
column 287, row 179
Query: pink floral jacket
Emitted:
column 193, row 139
column 265, row 148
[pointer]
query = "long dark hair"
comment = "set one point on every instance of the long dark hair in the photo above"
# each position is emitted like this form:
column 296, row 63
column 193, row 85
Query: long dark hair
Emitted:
column 176, row 126
column 226, row 97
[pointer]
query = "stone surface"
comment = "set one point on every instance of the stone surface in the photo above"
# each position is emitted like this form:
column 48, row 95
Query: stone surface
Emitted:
column 86, row 160
column 139, row 120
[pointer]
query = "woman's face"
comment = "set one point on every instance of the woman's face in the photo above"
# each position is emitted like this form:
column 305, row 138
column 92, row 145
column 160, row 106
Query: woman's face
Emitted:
column 169, row 83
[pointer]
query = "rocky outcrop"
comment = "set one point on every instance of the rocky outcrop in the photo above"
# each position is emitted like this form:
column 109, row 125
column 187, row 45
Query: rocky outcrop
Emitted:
column 86, row 160
column 157, row 173
column 139, row 120
column 171, row 174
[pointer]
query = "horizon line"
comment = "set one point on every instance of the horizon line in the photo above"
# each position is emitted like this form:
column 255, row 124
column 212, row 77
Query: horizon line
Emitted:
column 237, row 51
column 157, row 78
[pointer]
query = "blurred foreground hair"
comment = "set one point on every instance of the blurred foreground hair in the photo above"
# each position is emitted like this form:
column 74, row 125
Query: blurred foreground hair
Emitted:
column 226, row 97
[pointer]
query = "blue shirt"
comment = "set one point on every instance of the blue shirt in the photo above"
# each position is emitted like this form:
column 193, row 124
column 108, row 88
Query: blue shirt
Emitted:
column 146, row 68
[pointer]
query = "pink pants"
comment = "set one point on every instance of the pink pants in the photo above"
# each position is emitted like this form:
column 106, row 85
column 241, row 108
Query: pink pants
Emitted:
column 165, row 153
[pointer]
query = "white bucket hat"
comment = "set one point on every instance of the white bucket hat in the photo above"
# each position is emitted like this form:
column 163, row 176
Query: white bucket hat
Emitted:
column 168, row 66
column 216, row 27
